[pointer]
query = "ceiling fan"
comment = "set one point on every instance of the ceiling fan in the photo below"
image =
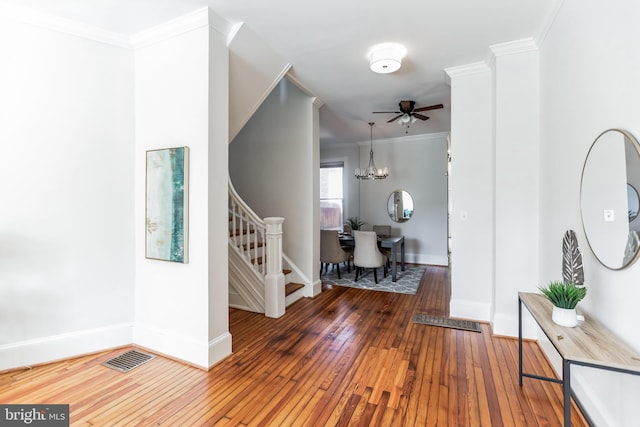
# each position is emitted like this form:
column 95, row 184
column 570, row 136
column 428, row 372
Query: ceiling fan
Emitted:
column 408, row 112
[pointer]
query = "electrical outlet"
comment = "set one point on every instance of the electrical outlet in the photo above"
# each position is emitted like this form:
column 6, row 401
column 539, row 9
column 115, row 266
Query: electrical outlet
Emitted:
column 609, row 215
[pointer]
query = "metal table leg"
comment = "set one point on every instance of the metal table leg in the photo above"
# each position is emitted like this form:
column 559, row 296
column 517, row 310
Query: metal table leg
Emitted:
column 520, row 341
column 566, row 391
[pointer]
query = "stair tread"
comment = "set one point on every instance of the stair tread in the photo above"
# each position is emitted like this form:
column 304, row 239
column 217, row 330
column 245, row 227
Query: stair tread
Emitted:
column 290, row 288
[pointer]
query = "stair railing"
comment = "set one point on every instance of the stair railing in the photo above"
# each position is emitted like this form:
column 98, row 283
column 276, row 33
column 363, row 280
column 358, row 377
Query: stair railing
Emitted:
column 260, row 243
column 247, row 232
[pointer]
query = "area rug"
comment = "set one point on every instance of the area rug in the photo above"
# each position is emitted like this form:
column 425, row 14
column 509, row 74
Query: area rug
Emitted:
column 407, row 283
column 446, row 322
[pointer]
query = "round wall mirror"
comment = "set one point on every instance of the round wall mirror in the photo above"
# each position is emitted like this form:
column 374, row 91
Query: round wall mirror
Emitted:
column 634, row 202
column 400, row 206
column 609, row 201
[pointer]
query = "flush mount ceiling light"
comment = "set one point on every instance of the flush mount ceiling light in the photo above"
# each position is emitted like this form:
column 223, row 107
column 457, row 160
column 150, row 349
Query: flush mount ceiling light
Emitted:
column 386, row 58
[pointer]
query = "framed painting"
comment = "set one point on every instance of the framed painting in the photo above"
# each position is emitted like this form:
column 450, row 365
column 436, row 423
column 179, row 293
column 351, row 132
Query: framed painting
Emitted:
column 167, row 208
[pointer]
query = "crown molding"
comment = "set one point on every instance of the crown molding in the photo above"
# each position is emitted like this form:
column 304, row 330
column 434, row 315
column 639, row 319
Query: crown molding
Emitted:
column 514, row 47
column 465, row 70
column 233, row 32
column 404, row 139
column 297, row 83
column 62, row 25
column 317, row 102
column 510, row 48
column 496, row 50
column 199, row 18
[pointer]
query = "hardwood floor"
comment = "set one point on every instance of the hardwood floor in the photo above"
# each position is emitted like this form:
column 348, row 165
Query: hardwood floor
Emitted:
column 346, row 357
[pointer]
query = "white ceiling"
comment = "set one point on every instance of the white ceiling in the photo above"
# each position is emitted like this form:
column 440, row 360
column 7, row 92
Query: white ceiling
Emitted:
column 326, row 42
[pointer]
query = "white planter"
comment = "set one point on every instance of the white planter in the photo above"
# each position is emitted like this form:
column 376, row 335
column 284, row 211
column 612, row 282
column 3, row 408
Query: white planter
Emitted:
column 564, row 316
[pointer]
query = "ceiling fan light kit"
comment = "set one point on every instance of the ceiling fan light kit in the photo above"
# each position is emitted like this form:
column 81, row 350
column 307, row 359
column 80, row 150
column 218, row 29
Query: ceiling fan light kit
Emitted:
column 406, row 119
column 386, row 58
column 371, row 171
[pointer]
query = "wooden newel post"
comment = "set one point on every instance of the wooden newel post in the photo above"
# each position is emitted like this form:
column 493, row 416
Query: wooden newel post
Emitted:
column 274, row 298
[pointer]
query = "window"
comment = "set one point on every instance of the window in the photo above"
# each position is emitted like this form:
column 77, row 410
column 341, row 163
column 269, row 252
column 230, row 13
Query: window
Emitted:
column 331, row 196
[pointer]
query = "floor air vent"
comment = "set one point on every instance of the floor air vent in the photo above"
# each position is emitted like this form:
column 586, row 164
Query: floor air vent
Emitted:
column 128, row 361
column 446, row 322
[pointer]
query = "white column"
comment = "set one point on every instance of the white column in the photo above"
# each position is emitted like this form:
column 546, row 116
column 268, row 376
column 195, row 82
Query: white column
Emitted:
column 274, row 298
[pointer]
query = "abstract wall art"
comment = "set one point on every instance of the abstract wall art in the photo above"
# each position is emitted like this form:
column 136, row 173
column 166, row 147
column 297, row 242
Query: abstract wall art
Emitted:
column 167, row 212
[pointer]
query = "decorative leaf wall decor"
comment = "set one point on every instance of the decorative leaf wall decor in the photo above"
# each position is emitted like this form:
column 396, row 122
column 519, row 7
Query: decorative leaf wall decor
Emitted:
column 571, row 259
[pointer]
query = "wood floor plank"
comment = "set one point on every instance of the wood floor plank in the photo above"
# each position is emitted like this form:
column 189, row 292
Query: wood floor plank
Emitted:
column 344, row 358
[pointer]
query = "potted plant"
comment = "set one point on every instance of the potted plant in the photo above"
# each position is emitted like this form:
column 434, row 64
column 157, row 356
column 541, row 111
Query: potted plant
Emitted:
column 354, row 222
column 564, row 296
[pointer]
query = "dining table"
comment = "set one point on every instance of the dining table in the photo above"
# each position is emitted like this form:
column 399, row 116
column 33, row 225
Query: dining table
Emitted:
column 387, row 242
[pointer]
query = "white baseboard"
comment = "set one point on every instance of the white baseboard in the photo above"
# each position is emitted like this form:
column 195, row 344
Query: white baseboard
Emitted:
column 316, row 289
column 507, row 325
column 219, row 348
column 64, row 346
column 466, row 309
column 202, row 354
column 429, row 259
column 74, row 344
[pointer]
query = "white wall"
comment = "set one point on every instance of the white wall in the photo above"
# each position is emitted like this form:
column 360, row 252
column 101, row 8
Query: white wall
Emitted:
column 273, row 164
column 254, row 70
column 494, row 184
column 72, row 247
column 181, row 87
column 537, row 179
column 67, row 222
column 417, row 164
column 218, row 335
column 515, row 74
column 589, row 67
column 472, row 192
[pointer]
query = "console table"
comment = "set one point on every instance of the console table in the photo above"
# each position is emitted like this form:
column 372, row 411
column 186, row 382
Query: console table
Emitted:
column 588, row 344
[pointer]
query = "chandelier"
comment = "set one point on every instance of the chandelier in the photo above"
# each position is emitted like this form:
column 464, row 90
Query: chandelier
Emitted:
column 371, row 172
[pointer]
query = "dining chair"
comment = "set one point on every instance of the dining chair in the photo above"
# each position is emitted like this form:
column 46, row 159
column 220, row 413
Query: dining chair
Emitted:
column 367, row 255
column 346, row 228
column 382, row 230
column 331, row 251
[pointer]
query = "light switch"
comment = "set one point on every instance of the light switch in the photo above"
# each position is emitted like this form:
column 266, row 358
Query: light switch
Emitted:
column 609, row 216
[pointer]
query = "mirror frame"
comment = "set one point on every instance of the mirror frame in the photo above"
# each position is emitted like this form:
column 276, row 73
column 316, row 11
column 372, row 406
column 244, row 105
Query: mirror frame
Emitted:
column 633, row 214
column 629, row 138
column 389, row 203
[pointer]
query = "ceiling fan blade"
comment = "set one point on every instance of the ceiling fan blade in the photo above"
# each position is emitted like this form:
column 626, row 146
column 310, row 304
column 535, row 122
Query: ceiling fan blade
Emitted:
column 395, row 118
column 386, row 112
column 431, row 107
column 420, row 116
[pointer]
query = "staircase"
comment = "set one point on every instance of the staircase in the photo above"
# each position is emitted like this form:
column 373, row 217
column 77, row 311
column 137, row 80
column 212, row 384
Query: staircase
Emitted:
column 258, row 281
